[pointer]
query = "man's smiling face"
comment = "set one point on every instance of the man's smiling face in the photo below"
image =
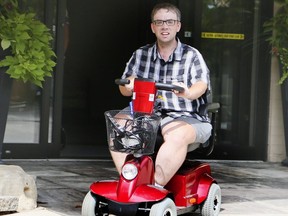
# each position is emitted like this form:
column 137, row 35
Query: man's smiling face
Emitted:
column 165, row 33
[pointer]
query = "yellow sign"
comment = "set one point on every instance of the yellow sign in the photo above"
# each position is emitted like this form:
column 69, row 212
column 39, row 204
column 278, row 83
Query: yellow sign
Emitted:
column 225, row 36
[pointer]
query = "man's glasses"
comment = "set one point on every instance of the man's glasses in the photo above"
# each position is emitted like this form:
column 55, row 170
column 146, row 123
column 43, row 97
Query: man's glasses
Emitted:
column 169, row 22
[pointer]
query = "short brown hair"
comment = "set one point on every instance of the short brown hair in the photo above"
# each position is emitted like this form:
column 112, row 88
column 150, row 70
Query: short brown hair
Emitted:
column 168, row 6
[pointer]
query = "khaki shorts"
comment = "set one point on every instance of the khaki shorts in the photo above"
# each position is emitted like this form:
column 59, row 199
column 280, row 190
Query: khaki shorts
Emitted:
column 203, row 129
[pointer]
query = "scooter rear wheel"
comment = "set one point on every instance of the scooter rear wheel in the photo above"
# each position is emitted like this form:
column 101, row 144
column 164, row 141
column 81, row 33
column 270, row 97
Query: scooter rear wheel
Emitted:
column 88, row 205
column 211, row 206
column 164, row 208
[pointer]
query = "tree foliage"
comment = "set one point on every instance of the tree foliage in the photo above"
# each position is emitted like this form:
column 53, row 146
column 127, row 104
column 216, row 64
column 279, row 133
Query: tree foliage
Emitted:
column 278, row 25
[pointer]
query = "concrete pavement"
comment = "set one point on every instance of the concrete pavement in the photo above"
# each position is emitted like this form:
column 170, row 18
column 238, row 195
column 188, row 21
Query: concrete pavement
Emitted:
column 248, row 187
column 39, row 211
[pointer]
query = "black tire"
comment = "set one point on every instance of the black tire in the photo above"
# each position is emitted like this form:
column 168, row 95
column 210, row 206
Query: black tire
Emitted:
column 212, row 205
column 164, row 208
column 88, row 205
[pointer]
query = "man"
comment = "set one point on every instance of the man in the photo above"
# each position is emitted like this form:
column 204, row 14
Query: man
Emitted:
column 170, row 61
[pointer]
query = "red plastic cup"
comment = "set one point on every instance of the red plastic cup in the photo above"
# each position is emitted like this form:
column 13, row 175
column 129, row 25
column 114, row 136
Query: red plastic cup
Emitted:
column 144, row 95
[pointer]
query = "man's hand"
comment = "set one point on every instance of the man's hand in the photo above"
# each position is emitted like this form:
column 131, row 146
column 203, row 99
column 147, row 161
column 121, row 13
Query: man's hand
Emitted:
column 127, row 89
column 192, row 93
column 130, row 86
column 185, row 93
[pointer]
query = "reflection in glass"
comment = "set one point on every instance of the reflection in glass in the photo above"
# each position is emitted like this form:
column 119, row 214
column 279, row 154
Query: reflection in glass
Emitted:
column 23, row 120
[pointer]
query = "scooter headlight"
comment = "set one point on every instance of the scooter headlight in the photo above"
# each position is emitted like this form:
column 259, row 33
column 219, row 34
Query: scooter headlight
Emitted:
column 129, row 171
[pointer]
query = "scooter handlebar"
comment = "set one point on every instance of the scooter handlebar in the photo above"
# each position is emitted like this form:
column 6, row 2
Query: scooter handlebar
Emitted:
column 122, row 82
column 169, row 87
column 160, row 86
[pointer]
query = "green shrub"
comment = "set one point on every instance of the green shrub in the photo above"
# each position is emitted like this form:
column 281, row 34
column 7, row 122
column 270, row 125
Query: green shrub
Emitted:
column 29, row 41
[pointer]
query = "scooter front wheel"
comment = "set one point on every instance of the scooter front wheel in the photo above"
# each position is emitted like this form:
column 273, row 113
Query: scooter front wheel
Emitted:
column 164, row 208
column 212, row 204
column 88, row 205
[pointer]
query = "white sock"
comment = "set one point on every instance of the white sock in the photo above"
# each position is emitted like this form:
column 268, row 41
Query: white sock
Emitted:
column 157, row 185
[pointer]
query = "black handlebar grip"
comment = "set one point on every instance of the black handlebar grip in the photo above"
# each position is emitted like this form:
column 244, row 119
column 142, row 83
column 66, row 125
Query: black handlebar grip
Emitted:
column 122, row 82
column 169, row 87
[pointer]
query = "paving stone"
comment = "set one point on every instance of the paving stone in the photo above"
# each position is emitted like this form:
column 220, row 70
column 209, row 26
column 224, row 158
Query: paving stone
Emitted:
column 8, row 203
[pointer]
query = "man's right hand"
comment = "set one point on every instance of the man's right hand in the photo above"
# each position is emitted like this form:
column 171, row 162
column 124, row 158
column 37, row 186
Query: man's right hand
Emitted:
column 127, row 90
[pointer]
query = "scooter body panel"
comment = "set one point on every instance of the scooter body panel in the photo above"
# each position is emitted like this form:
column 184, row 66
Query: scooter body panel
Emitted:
column 139, row 189
column 190, row 185
column 143, row 193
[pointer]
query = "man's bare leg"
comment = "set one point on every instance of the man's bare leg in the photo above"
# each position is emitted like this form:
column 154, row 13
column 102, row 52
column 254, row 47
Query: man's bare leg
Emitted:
column 119, row 159
column 173, row 151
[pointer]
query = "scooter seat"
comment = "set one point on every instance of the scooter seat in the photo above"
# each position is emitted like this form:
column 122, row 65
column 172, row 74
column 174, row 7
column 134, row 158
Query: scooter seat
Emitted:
column 193, row 146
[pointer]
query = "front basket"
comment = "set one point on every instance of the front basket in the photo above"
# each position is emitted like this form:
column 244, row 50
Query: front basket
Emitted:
column 131, row 133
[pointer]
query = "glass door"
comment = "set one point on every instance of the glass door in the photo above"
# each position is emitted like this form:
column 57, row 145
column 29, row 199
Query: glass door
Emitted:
column 29, row 116
column 230, row 36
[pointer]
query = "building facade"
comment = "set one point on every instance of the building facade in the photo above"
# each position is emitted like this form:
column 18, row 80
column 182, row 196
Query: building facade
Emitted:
column 65, row 119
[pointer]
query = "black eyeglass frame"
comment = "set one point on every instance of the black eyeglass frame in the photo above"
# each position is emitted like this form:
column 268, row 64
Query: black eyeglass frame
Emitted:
column 161, row 22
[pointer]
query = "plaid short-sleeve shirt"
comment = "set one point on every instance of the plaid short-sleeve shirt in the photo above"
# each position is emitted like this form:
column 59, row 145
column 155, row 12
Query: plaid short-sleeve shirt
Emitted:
column 185, row 64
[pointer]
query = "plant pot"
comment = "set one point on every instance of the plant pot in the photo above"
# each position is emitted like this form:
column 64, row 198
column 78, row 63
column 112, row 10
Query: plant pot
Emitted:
column 5, row 93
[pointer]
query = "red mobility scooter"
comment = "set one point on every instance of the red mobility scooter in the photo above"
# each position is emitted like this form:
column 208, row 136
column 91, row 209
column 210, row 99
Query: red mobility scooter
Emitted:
column 135, row 132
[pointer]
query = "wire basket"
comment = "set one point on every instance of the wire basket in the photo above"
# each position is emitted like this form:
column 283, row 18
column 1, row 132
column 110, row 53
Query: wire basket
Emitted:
column 131, row 133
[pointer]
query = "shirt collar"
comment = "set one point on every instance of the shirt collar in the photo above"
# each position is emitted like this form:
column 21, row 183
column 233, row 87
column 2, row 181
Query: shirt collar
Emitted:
column 176, row 54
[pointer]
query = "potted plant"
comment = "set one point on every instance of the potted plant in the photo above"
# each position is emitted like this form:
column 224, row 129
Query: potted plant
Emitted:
column 279, row 41
column 26, row 53
column 29, row 42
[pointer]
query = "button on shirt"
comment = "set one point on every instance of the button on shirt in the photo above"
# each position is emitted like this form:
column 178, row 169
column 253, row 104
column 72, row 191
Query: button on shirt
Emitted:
column 185, row 64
